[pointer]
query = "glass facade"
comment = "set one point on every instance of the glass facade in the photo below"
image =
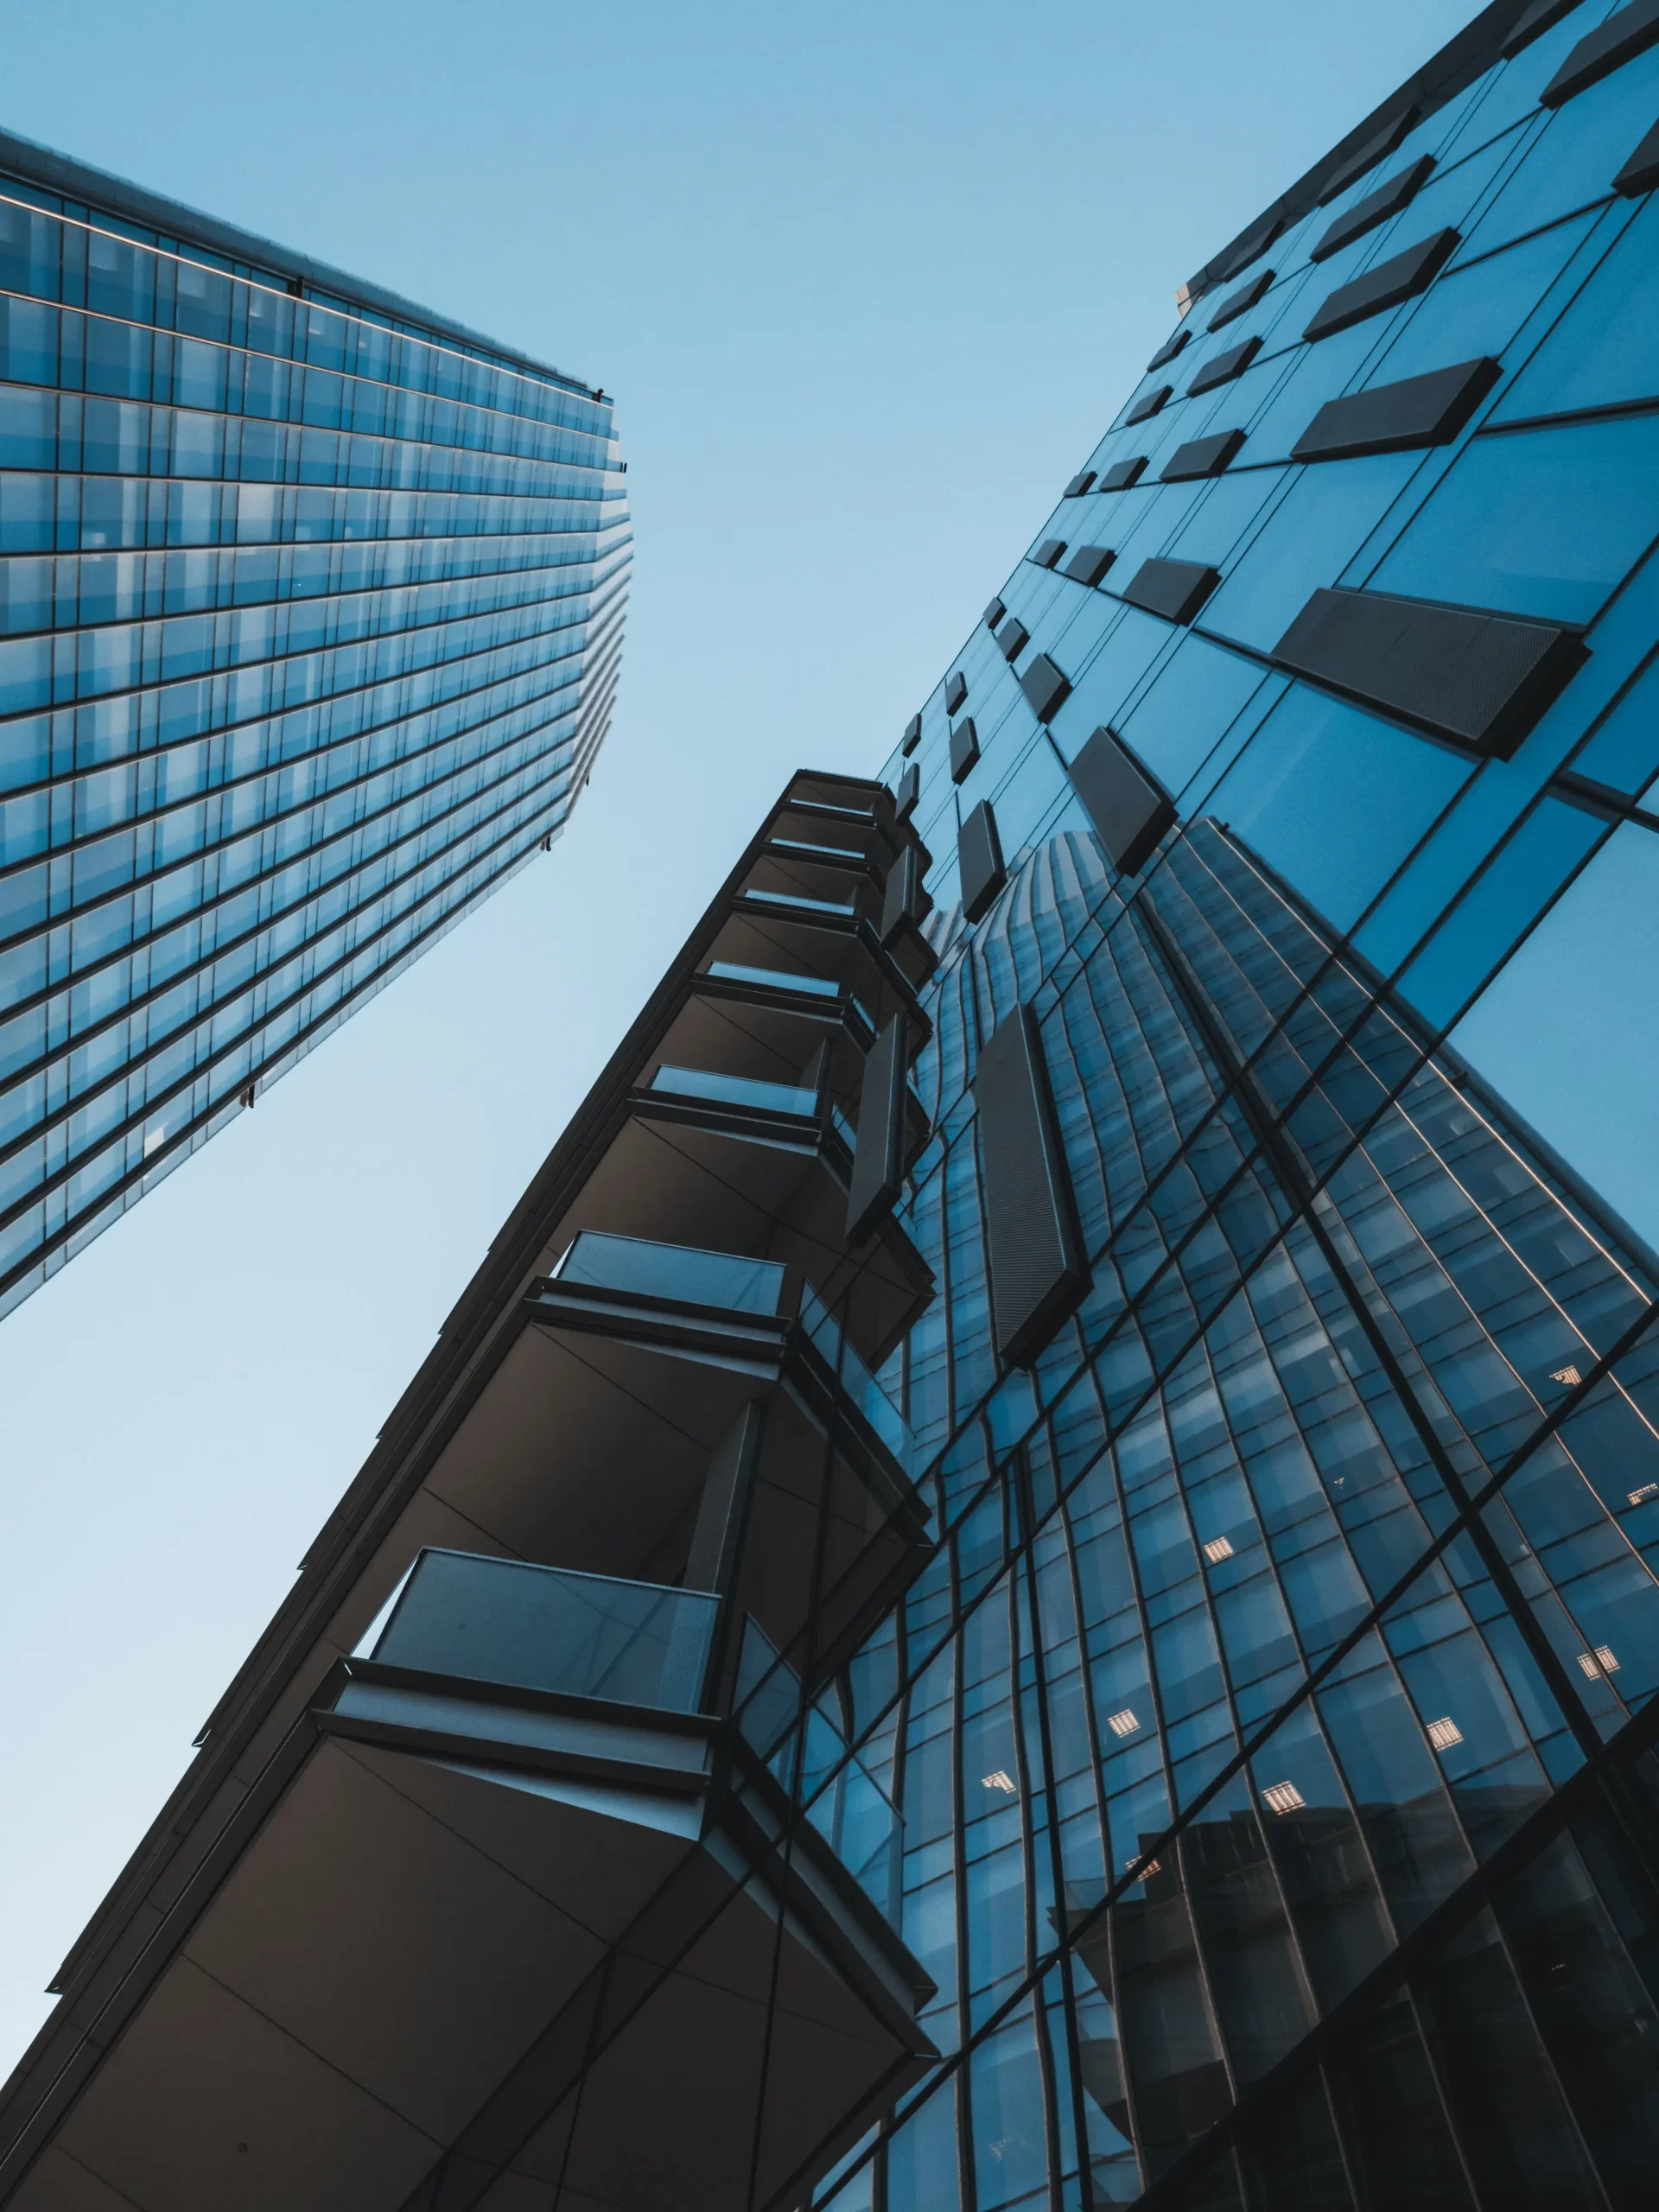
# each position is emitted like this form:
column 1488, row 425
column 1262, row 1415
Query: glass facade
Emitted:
column 310, row 612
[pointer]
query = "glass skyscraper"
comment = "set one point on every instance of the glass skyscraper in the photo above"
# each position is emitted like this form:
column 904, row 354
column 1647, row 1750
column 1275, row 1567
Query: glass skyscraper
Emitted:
column 311, row 604
column 1027, row 1578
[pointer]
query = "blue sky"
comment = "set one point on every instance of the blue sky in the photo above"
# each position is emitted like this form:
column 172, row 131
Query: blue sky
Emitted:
column 868, row 283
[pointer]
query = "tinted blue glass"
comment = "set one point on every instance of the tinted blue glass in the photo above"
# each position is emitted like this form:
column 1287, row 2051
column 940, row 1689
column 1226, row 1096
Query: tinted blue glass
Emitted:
column 1600, row 352
column 1477, row 309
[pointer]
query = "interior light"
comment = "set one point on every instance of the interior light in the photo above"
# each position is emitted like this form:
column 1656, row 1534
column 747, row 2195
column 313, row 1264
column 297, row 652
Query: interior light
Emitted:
column 1123, row 1723
column 1444, row 1733
column 1284, row 1797
column 1648, row 1489
column 1151, row 1867
column 1569, row 1374
column 1598, row 1663
column 1218, row 1550
column 998, row 1780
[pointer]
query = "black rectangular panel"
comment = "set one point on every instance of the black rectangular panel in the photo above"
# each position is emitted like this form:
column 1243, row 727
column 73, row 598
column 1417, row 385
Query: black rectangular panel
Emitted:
column 1241, row 301
column 1049, row 552
column 1479, row 678
column 902, row 894
column 1367, row 157
column 1127, row 805
column 964, row 748
column 1426, row 410
column 1175, row 589
column 1013, row 638
column 879, row 1155
column 1401, row 277
column 909, row 791
column 1148, row 405
column 1375, row 207
column 1167, row 351
column 1078, row 484
column 1607, row 47
column 1045, row 687
column 1202, row 456
column 1036, row 1268
column 979, row 859
column 913, row 736
column 1541, row 17
column 1641, row 172
column 1252, row 243
column 1221, row 368
column 993, row 614
column 1088, row 563
column 1122, row 473
column 955, row 690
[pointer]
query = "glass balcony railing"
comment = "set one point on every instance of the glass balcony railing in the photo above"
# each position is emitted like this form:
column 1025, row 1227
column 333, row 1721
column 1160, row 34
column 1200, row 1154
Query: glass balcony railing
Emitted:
column 548, row 1628
column 842, row 1799
column 777, row 979
column 841, row 855
column 856, row 1380
column 843, row 909
column 735, row 1090
column 678, row 1271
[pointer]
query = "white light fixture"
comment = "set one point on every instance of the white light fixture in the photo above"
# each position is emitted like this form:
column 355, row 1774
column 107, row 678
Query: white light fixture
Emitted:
column 1598, row 1663
column 1648, row 1489
column 1151, row 1867
column 1569, row 1375
column 1123, row 1723
column 1218, row 1550
column 998, row 1781
column 1283, row 1797
column 1444, row 1733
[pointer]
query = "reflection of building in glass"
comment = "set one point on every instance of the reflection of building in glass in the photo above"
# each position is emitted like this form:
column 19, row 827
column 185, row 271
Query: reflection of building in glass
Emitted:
column 310, row 610
column 1027, row 1577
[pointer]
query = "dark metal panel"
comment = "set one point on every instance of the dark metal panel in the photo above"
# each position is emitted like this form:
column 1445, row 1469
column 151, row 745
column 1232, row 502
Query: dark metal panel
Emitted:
column 1013, row 638
column 1088, row 563
column 1175, row 589
column 902, row 896
column 1401, row 277
column 1426, row 410
column 1376, row 207
column 1149, row 404
column 1366, row 156
column 1241, row 301
column 1607, row 47
column 955, row 690
column 1541, row 17
column 1171, row 347
column 964, row 748
column 1037, row 1270
column 1641, row 172
column 1252, row 243
column 1202, row 456
column 913, row 736
column 1221, row 368
column 1045, row 687
column 1122, row 473
column 979, row 856
column 879, row 1155
column 1079, row 484
column 1049, row 552
column 993, row 614
column 1128, row 805
column 909, row 791
column 1481, row 679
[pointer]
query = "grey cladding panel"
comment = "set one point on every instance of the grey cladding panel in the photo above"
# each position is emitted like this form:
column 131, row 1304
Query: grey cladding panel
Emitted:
column 964, row 748
column 1252, row 243
column 1167, row 351
column 1541, row 17
column 1122, row 473
column 1037, row 1269
column 1366, row 156
column 1375, row 207
column 1241, row 301
column 909, row 791
column 979, row 859
column 955, row 690
column 1049, row 552
column 1641, row 172
column 1079, row 484
column 1127, row 805
column 1202, row 456
column 902, row 896
column 1426, row 410
column 1089, row 563
column 1045, row 687
column 993, row 614
column 1607, row 47
column 1148, row 403
column 1175, row 589
column 879, row 1155
column 1401, row 277
column 1221, row 368
column 913, row 736
column 1013, row 638
column 1458, row 672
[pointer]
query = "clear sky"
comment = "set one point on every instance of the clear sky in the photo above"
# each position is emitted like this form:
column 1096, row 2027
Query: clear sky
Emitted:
column 867, row 280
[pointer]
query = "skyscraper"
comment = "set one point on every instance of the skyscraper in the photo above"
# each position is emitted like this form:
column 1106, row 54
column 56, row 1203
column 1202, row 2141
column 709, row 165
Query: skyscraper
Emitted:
column 1027, row 1576
column 311, row 604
